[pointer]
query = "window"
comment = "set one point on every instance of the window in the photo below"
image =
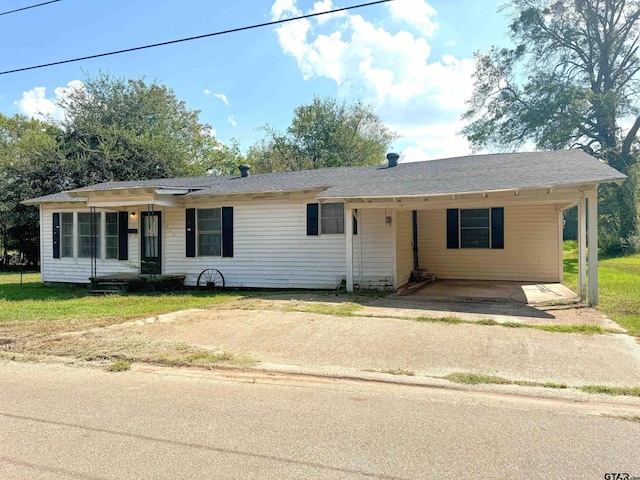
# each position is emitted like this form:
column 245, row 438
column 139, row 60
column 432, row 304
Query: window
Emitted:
column 85, row 234
column 332, row 218
column 210, row 232
column 475, row 228
column 111, row 235
column 66, row 235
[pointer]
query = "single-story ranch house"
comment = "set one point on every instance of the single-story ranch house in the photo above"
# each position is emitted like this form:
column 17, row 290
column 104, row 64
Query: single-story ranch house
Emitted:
column 482, row 217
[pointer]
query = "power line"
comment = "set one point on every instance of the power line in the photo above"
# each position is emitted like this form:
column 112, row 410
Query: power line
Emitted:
column 198, row 37
column 30, row 6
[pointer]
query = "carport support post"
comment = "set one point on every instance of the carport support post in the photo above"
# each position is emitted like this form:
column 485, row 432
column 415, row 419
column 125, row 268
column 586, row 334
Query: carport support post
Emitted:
column 593, row 248
column 582, row 250
column 348, row 230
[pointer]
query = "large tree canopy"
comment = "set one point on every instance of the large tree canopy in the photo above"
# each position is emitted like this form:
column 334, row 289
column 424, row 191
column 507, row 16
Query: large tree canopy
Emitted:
column 114, row 129
column 571, row 79
column 30, row 165
column 117, row 129
column 325, row 133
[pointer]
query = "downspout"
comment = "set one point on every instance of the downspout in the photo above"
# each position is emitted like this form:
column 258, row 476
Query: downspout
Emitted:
column 360, row 234
column 415, row 241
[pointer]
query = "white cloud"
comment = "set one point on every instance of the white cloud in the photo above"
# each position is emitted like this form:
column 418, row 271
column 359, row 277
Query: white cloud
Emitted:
column 209, row 131
column 429, row 142
column 388, row 64
column 35, row 104
column 219, row 96
column 232, row 121
column 222, row 97
column 280, row 7
column 325, row 6
column 417, row 13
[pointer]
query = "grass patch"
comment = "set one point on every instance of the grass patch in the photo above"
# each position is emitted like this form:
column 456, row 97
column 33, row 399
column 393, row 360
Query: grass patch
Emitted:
column 449, row 320
column 343, row 309
column 475, row 378
column 584, row 329
column 478, row 378
column 35, row 302
column 204, row 359
column 629, row 418
column 396, row 371
column 619, row 285
column 607, row 390
column 118, row 366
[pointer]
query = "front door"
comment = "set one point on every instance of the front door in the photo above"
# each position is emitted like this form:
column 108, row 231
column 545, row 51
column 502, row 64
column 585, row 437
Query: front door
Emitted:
column 151, row 243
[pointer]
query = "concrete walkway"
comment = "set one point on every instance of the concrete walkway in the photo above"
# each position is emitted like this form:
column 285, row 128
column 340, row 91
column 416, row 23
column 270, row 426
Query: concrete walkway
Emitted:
column 381, row 344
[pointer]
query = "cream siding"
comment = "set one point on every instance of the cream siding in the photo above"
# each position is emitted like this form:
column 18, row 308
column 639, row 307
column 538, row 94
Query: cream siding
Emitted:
column 530, row 254
column 404, row 248
column 377, row 248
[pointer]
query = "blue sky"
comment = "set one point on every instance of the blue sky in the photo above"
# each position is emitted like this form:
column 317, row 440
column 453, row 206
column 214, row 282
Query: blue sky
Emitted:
column 411, row 59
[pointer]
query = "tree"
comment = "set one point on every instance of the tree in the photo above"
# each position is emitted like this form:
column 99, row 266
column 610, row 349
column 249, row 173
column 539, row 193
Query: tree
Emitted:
column 117, row 129
column 326, row 133
column 30, row 166
column 114, row 129
column 571, row 80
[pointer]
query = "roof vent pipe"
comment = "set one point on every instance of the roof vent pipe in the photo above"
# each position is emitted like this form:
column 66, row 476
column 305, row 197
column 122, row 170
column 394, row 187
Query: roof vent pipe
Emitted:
column 392, row 158
column 244, row 170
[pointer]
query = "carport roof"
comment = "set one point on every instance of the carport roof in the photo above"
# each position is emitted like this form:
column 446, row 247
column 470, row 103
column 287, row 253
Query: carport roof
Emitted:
column 477, row 173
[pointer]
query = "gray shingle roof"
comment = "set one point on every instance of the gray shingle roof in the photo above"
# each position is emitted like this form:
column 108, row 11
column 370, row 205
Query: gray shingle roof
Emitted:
column 53, row 198
column 477, row 173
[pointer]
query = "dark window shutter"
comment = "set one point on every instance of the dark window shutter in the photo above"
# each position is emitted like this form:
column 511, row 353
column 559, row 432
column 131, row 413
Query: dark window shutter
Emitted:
column 497, row 227
column 227, row 231
column 355, row 224
column 123, row 235
column 56, row 235
column 190, row 237
column 452, row 228
column 312, row 219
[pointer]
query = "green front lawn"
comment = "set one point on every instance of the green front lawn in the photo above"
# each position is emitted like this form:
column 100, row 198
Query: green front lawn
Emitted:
column 33, row 301
column 619, row 284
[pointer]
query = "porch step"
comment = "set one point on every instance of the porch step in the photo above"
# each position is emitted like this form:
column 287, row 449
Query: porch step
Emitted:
column 105, row 292
column 109, row 286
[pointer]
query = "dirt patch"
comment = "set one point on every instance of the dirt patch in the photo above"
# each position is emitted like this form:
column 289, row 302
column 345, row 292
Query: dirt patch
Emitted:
column 390, row 344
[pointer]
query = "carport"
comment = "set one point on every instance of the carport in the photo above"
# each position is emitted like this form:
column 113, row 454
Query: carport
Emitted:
column 495, row 218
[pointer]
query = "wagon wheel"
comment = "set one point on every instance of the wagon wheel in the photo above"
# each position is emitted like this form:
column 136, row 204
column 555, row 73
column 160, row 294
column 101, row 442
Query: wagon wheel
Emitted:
column 210, row 279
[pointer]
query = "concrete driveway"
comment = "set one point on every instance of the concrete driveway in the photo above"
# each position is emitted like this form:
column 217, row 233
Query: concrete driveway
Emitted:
column 385, row 336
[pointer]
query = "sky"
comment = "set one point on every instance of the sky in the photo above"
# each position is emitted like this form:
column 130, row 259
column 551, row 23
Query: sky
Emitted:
column 412, row 60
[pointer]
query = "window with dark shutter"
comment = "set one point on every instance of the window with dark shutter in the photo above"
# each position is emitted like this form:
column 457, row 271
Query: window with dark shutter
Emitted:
column 66, row 235
column 497, row 228
column 452, row 228
column 475, row 228
column 190, row 237
column 123, row 235
column 312, row 219
column 227, row 231
column 56, row 235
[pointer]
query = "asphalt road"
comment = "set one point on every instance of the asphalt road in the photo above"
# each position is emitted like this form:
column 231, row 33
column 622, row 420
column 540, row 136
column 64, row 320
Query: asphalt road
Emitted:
column 59, row 422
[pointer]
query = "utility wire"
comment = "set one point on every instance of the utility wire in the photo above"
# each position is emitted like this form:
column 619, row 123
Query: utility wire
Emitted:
column 30, row 6
column 198, row 37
